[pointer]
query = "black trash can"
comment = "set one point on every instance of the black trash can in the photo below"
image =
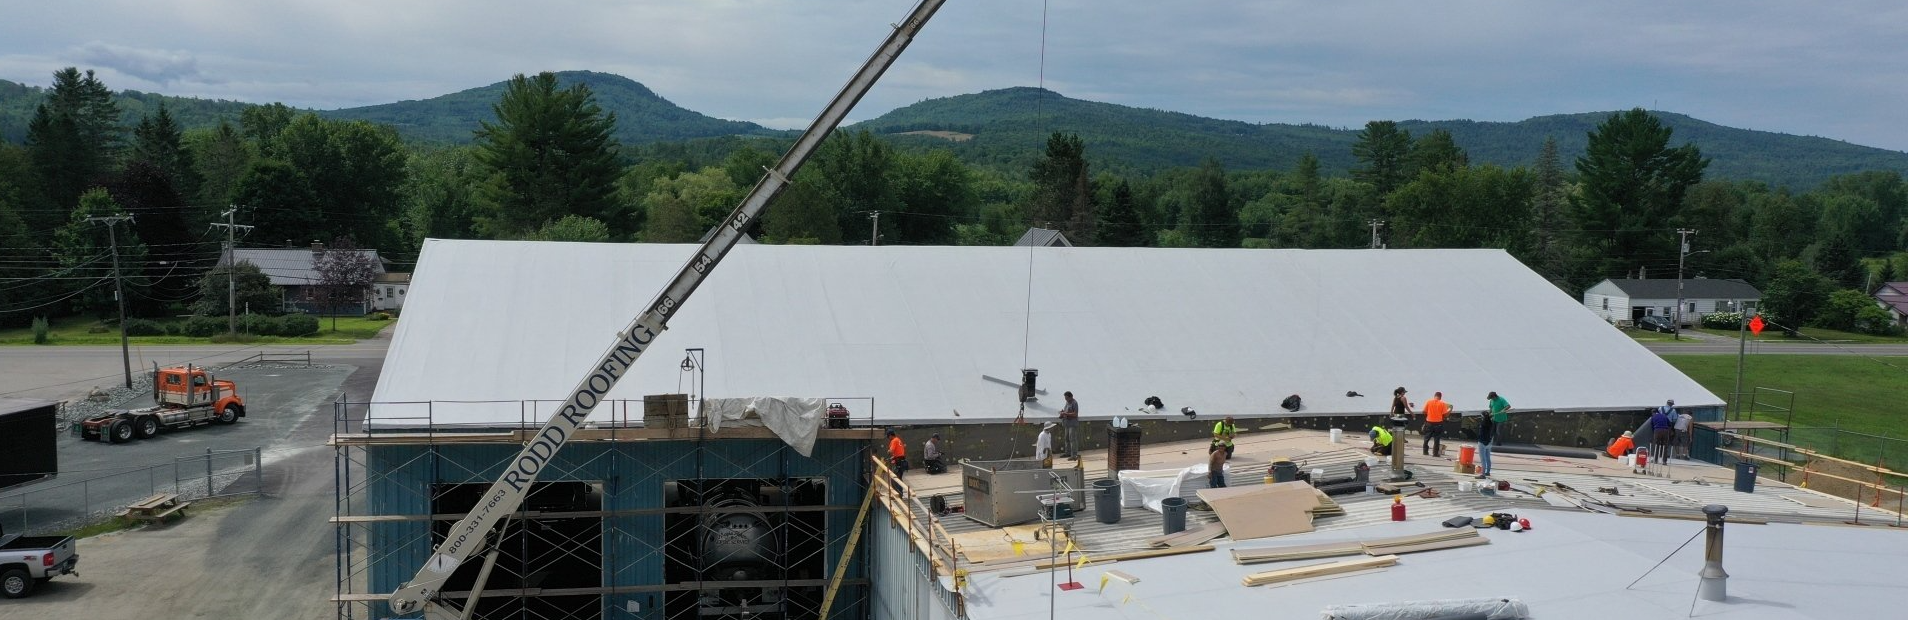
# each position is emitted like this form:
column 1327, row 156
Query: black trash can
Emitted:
column 1745, row 476
column 1174, row 511
column 1106, row 501
column 1284, row 471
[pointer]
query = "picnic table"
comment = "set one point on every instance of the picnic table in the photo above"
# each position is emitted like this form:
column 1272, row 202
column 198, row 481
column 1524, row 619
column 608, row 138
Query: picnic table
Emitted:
column 157, row 507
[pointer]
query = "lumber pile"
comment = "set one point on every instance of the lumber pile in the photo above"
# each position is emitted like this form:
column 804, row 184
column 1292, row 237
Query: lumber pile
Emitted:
column 1263, row 555
column 1443, row 539
column 1318, row 570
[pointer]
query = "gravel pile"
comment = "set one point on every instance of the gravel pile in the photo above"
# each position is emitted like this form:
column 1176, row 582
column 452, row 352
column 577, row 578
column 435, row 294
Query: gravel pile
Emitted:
column 102, row 400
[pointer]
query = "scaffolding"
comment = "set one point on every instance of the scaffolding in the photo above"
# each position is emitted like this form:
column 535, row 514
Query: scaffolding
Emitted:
column 627, row 522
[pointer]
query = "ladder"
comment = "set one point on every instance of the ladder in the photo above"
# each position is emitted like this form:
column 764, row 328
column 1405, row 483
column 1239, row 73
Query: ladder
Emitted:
column 841, row 567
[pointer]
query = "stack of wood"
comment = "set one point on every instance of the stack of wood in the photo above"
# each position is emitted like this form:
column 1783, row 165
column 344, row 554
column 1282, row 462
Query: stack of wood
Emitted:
column 1443, row 539
column 1318, row 570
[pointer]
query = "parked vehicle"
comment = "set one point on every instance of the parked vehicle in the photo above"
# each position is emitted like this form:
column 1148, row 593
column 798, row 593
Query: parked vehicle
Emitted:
column 187, row 396
column 1657, row 323
column 29, row 432
column 27, row 562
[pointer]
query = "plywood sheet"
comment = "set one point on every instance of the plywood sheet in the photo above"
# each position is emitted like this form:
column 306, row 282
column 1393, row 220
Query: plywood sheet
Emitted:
column 995, row 545
column 1263, row 511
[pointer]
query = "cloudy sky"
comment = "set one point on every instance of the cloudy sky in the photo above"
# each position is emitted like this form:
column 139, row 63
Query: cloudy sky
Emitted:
column 1834, row 69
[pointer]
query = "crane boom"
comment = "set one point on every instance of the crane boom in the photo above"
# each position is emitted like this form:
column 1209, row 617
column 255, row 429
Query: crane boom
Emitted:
column 467, row 536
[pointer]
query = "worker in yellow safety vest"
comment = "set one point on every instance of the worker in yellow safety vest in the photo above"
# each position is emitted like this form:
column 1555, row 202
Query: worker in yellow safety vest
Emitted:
column 1222, row 433
column 1380, row 441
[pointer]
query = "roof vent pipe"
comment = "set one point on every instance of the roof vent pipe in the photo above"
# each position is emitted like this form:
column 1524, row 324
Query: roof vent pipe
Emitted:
column 1715, row 582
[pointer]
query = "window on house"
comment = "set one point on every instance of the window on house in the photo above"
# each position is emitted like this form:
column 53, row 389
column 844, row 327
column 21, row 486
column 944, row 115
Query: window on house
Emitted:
column 1692, row 306
column 1606, row 303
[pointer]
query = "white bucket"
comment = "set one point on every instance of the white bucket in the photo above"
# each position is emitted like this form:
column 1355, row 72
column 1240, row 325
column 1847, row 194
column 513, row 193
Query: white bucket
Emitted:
column 1465, row 486
column 1318, row 475
column 1371, row 461
column 1338, row 435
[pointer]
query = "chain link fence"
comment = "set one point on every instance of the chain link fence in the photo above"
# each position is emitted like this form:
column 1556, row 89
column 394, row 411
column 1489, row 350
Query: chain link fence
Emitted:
column 62, row 505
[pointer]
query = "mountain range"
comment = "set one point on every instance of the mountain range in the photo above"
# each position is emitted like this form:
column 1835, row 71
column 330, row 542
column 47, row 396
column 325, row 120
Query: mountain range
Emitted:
column 1008, row 127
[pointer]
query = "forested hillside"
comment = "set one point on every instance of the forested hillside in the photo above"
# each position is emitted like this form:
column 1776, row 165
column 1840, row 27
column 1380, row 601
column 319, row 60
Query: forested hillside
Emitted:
column 642, row 116
column 18, row 100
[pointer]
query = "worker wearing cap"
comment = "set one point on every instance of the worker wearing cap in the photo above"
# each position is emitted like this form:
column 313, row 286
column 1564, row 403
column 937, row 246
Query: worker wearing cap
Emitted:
column 1500, row 416
column 1434, row 412
column 897, row 454
column 1043, row 445
column 931, row 455
column 1223, row 433
column 1663, row 430
column 1685, row 432
column 1623, row 445
column 1380, row 440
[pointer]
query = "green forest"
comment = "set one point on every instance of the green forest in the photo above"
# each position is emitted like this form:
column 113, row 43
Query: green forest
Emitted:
column 593, row 157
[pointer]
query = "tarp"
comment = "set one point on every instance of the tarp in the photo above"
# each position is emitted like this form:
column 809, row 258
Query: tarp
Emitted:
column 796, row 420
column 1154, row 486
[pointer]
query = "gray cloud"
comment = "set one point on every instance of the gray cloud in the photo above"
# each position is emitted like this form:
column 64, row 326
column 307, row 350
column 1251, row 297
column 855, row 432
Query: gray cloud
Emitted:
column 157, row 66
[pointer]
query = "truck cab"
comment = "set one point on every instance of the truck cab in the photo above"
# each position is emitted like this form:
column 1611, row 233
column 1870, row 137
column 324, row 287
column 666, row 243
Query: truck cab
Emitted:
column 183, row 397
column 189, row 386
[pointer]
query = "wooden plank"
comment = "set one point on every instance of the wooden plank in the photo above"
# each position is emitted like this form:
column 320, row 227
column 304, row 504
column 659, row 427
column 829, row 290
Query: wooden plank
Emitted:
column 1199, row 536
column 1134, row 555
column 1261, row 555
column 1122, row 576
column 1318, row 570
column 1430, row 546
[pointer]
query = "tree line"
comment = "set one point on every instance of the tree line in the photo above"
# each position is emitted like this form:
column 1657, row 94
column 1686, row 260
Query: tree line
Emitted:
column 549, row 168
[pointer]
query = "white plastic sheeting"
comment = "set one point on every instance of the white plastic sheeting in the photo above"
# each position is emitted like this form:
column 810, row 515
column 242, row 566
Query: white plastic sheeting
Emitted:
column 1153, row 486
column 1485, row 608
column 914, row 328
column 795, row 420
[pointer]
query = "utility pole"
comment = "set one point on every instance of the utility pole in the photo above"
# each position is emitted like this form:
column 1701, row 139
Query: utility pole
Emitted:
column 1742, row 349
column 119, row 288
column 231, row 265
column 1682, row 252
column 874, row 235
column 1375, row 224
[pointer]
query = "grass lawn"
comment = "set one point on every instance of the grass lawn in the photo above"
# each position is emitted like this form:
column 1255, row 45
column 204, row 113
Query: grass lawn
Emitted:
column 82, row 331
column 1809, row 335
column 1644, row 335
column 1853, row 392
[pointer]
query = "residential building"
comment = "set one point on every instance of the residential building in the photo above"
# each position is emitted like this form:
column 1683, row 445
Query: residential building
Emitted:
column 1629, row 300
column 294, row 271
column 1893, row 296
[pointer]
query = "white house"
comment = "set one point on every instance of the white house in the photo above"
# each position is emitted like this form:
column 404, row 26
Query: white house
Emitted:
column 1893, row 296
column 1631, row 300
column 389, row 291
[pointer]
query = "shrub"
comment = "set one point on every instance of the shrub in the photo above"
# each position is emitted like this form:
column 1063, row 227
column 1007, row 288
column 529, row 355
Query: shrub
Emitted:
column 1723, row 320
column 297, row 325
column 144, row 327
column 1872, row 319
column 378, row 316
column 97, row 329
column 204, row 326
column 41, row 330
column 260, row 324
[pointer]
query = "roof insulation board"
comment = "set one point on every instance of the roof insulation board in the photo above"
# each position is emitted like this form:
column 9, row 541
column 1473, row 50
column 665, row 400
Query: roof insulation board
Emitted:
column 912, row 329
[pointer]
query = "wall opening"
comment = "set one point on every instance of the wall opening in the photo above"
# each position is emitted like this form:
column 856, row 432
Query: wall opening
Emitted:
column 540, row 552
column 747, row 534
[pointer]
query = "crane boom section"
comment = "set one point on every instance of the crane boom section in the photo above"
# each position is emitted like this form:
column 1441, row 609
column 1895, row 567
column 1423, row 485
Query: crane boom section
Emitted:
column 467, row 536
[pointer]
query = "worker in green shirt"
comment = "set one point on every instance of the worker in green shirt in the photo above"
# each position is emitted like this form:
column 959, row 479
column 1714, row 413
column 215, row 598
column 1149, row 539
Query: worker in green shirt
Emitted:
column 1500, row 416
column 1222, row 433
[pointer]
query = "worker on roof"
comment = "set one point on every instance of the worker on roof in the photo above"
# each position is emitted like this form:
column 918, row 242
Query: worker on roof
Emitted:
column 1663, row 430
column 1380, row 440
column 1070, row 418
column 1216, row 468
column 1621, row 446
column 1434, row 412
column 931, row 455
column 1685, row 432
column 897, row 454
column 1499, row 416
column 1223, row 433
column 1043, row 445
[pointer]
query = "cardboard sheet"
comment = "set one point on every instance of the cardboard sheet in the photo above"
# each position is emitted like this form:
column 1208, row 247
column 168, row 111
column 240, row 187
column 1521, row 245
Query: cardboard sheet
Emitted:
column 1263, row 511
column 996, row 545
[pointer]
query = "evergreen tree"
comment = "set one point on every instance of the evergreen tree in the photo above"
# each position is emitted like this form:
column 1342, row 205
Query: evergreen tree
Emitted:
column 221, row 156
column 550, row 154
column 1436, row 152
column 1633, row 185
column 74, row 135
column 1215, row 220
column 1383, row 152
column 1547, row 208
column 1062, row 196
column 158, row 141
column 1120, row 224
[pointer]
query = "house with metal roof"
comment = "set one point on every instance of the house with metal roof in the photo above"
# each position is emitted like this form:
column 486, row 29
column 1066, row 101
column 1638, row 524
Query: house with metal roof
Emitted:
column 1893, row 297
column 294, row 271
column 1629, row 300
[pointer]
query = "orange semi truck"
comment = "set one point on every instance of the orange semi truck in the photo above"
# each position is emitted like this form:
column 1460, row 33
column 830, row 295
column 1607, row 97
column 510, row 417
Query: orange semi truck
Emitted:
column 185, row 396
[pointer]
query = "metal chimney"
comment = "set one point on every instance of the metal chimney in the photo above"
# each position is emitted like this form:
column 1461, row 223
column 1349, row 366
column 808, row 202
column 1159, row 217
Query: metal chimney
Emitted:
column 1715, row 583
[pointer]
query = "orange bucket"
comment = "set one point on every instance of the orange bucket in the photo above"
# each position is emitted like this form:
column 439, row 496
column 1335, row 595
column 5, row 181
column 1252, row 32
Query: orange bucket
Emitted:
column 1466, row 453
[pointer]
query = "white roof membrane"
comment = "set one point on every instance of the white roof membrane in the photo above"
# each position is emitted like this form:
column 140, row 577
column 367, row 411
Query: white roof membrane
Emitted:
column 914, row 328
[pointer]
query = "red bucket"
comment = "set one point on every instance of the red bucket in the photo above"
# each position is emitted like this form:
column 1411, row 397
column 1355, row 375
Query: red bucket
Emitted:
column 1466, row 453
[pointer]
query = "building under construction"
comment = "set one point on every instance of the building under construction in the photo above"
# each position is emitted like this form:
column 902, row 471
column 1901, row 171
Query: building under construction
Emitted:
column 651, row 513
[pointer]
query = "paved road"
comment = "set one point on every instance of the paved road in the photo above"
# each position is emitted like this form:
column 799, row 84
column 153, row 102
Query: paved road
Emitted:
column 60, row 373
column 1778, row 348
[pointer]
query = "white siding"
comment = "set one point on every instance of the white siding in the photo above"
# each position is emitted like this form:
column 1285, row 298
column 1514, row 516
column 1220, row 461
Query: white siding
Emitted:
column 1612, row 308
column 1666, row 307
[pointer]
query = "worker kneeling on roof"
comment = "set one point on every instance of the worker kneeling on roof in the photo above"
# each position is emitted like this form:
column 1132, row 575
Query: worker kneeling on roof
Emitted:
column 1380, row 441
column 1621, row 446
column 1223, row 432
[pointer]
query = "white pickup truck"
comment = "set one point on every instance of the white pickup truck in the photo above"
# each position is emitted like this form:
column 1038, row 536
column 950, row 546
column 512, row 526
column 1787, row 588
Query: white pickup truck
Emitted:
column 28, row 561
